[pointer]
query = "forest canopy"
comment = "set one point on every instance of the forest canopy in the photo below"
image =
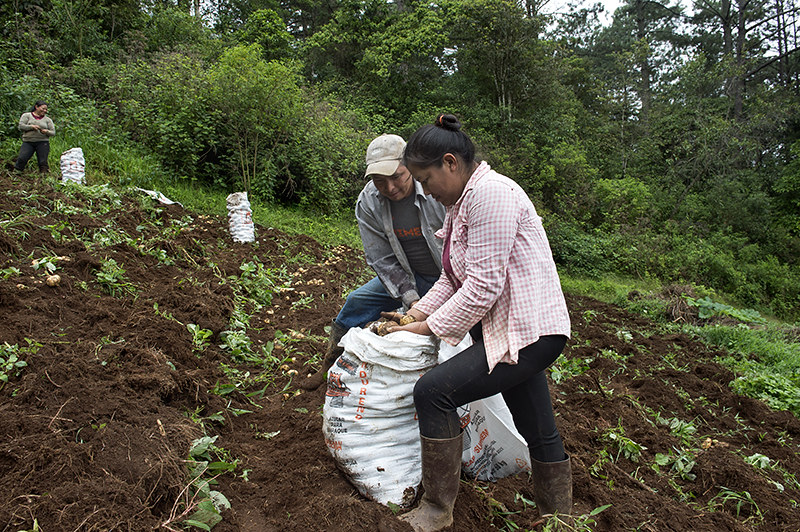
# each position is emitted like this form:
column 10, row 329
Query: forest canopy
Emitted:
column 663, row 143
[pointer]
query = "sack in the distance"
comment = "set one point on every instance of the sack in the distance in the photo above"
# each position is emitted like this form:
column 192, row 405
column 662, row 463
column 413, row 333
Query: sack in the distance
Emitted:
column 240, row 217
column 73, row 166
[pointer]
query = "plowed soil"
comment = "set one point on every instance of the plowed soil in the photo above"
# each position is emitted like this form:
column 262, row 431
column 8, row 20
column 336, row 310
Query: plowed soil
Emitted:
column 95, row 431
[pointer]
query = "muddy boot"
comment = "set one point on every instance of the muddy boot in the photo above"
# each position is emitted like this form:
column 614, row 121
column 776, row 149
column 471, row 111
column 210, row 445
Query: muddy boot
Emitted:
column 44, row 170
column 552, row 486
column 441, row 472
column 331, row 354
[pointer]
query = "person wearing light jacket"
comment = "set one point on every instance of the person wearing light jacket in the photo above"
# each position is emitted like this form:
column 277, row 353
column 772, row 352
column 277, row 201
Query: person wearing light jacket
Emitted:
column 37, row 128
column 500, row 285
column 397, row 221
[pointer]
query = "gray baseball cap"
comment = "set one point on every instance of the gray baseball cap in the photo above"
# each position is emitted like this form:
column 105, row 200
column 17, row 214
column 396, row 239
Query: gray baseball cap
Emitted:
column 384, row 155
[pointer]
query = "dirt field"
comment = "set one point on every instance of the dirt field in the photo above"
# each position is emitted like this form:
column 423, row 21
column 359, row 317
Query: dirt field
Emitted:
column 95, row 431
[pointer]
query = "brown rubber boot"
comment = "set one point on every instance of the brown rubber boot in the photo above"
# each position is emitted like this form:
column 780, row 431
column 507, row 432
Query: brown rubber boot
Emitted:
column 552, row 486
column 331, row 354
column 441, row 472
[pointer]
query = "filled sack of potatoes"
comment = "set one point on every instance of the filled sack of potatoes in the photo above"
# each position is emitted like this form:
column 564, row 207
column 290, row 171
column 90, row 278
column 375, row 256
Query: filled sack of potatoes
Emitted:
column 369, row 420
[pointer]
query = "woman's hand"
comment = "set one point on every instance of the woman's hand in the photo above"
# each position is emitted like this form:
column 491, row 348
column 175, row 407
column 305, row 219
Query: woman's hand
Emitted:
column 412, row 321
column 416, row 327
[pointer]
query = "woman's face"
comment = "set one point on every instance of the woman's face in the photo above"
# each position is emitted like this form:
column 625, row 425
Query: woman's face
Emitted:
column 445, row 183
column 41, row 110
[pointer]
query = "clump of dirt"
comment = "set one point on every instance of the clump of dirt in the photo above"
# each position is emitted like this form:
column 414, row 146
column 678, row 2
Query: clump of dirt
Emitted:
column 97, row 428
column 678, row 309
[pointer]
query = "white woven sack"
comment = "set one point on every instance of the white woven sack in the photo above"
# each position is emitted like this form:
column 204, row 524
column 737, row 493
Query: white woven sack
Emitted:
column 240, row 217
column 369, row 420
column 493, row 448
column 73, row 166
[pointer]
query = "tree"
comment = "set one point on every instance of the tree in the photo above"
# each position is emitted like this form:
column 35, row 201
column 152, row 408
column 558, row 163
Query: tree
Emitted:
column 646, row 31
column 749, row 36
column 494, row 42
column 259, row 103
column 266, row 28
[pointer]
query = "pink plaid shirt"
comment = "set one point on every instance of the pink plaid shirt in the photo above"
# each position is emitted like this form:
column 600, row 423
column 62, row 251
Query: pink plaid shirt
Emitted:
column 500, row 254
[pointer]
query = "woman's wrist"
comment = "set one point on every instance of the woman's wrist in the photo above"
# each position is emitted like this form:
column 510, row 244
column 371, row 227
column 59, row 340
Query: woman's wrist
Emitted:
column 418, row 315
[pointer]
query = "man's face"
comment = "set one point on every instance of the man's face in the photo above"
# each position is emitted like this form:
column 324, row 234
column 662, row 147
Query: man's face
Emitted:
column 395, row 187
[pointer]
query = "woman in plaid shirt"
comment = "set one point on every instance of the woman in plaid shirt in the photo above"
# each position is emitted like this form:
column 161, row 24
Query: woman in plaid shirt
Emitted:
column 499, row 284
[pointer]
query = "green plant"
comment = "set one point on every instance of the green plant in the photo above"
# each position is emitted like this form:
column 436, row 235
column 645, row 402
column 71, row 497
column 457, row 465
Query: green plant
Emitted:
column 259, row 283
column 162, row 257
column 685, row 430
column 109, row 236
column 111, row 277
column 11, row 271
column 198, row 505
column 303, row 302
column 57, row 229
column 766, row 360
column 680, row 463
column 11, row 362
column 48, row 263
column 625, row 446
column 200, row 337
column 597, row 468
column 758, row 461
column 709, row 309
column 625, row 336
column 565, row 368
column 574, row 523
column 19, row 224
column 34, row 527
column 740, row 499
column 238, row 344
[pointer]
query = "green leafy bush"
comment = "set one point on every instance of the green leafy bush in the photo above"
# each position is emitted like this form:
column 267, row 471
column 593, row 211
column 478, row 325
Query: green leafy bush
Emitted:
column 709, row 309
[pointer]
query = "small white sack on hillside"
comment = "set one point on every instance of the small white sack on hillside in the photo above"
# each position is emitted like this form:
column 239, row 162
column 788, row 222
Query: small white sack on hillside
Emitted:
column 240, row 217
column 73, row 166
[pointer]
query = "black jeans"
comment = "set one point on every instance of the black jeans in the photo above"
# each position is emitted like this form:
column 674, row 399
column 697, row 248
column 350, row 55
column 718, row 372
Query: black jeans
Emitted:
column 42, row 149
column 466, row 378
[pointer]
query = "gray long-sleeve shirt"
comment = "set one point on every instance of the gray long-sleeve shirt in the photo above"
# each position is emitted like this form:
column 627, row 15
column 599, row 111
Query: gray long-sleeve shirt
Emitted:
column 383, row 250
column 29, row 134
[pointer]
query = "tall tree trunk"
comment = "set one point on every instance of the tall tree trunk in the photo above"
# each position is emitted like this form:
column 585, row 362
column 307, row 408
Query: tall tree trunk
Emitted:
column 738, row 81
column 645, row 70
column 781, row 38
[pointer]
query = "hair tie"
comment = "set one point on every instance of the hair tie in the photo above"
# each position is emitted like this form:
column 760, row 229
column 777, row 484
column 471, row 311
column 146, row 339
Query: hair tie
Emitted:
column 439, row 120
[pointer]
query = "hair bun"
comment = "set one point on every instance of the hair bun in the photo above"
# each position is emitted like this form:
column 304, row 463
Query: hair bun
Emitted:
column 448, row 122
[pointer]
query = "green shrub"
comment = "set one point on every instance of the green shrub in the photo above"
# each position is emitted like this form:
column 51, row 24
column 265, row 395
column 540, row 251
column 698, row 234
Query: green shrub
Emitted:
column 574, row 249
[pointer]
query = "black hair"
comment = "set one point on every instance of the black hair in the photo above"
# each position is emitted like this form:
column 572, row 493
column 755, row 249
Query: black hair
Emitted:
column 37, row 103
column 428, row 144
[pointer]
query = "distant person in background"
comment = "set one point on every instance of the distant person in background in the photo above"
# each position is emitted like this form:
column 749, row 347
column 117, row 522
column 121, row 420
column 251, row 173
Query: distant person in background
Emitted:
column 37, row 128
column 397, row 221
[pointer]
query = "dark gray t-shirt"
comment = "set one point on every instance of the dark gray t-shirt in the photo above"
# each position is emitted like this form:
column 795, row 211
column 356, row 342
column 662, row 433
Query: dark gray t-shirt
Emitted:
column 405, row 221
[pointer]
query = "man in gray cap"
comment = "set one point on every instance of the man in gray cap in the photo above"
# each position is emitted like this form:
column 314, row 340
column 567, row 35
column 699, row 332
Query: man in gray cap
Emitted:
column 397, row 222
